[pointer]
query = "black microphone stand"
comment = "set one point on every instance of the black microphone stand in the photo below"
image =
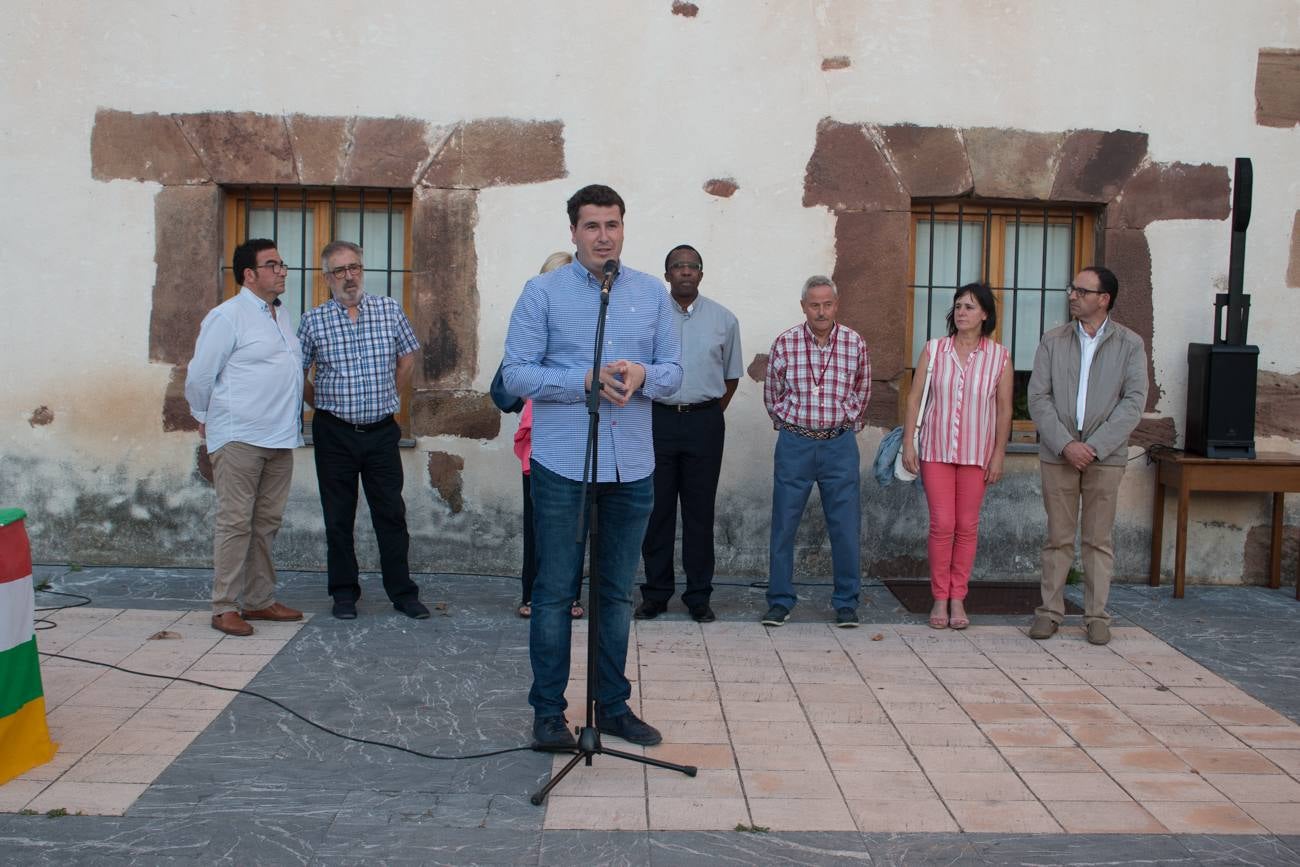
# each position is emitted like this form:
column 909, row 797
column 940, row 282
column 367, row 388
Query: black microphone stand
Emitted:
column 589, row 743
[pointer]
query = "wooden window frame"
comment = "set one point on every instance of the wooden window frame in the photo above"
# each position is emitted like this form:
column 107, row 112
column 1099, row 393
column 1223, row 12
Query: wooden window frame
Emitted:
column 321, row 201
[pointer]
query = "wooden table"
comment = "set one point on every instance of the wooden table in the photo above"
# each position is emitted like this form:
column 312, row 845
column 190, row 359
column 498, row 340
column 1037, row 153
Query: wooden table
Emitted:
column 1269, row 473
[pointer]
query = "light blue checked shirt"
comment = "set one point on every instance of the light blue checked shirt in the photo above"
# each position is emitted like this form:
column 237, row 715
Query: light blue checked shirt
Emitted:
column 549, row 351
column 356, row 362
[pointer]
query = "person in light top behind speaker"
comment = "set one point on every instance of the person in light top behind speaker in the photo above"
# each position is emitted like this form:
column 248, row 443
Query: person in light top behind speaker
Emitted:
column 1086, row 395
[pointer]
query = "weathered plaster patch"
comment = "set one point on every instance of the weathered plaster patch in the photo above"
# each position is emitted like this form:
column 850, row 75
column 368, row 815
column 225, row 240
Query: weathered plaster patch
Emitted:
column 723, row 188
column 684, row 9
column 445, row 478
column 1277, row 87
column 837, row 62
column 1256, row 553
column 757, row 369
column 444, row 287
column 1277, row 405
column 176, row 409
column 1154, row 431
column 202, row 464
column 41, row 416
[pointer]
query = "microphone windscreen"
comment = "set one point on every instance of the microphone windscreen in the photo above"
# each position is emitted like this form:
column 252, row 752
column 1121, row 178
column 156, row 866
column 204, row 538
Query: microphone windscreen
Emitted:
column 611, row 265
column 275, row 303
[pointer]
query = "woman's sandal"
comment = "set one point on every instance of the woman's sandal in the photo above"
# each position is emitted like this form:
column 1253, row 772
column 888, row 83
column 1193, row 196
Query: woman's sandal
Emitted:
column 958, row 622
column 525, row 610
column 576, row 611
column 938, row 621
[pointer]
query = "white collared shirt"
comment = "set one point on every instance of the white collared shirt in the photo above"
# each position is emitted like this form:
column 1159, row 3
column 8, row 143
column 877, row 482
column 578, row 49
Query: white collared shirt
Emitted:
column 1088, row 349
column 245, row 380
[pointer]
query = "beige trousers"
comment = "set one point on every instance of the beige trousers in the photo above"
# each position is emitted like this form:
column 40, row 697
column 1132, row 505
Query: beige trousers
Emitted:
column 1063, row 488
column 252, row 488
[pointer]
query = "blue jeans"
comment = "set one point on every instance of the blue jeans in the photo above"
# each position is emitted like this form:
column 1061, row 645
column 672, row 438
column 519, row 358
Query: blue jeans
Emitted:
column 622, row 509
column 833, row 465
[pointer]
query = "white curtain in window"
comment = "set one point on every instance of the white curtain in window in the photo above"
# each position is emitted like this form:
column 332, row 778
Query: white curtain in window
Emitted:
column 287, row 232
column 1039, row 304
column 937, row 277
column 377, row 236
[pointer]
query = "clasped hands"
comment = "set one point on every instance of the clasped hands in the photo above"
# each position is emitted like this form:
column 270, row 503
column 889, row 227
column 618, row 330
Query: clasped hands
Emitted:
column 619, row 380
column 1079, row 455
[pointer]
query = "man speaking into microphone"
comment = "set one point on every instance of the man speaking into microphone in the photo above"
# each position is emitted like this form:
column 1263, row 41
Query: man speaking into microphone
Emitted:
column 548, row 357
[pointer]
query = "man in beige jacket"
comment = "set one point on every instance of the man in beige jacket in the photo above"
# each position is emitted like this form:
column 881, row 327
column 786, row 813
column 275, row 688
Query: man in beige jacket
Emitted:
column 1086, row 395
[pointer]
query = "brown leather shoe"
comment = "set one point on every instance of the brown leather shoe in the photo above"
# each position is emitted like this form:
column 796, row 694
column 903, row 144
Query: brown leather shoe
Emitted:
column 274, row 611
column 231, row 624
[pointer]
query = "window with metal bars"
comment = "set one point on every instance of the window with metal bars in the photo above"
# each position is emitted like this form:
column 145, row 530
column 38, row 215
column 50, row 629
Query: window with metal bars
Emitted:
column 302, row 220
column 1027, row 253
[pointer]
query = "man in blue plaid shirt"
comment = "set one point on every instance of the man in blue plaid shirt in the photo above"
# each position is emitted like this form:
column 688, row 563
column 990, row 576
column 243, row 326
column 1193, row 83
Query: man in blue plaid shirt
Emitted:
column 363, row 350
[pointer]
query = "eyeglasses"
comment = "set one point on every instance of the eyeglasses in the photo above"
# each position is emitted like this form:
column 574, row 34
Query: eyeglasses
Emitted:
column 275, row 265
column 686, row 266
column 1079, row 290
column 353, row 270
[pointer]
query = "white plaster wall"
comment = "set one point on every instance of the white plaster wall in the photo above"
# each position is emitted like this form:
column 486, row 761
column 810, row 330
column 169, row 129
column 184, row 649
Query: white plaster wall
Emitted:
column 652, row 103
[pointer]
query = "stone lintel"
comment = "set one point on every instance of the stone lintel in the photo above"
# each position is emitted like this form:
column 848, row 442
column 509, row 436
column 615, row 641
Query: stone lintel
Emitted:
column 241, row 147
column 142, row 147
column 848, row 172
column 1013, row 163
column 496, row 152
column 931, row 161
column 1277, row 87
column 1174, row 191
column 1095, row 165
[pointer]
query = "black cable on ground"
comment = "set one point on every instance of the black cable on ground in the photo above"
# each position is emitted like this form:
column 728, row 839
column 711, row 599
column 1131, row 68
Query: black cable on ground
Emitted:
column 266, row 698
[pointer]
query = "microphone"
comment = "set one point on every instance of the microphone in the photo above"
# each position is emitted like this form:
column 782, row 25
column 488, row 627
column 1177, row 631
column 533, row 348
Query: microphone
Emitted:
column 611, row 271
column 275, row 303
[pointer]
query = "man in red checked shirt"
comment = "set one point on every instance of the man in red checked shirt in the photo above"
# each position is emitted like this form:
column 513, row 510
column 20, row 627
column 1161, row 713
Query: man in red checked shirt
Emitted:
column 816, row 391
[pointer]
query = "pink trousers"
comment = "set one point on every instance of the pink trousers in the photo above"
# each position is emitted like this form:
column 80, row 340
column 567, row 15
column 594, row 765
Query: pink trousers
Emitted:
column 955, row 493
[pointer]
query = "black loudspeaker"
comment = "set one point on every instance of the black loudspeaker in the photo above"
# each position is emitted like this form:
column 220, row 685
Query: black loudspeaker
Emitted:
column 1221, row 400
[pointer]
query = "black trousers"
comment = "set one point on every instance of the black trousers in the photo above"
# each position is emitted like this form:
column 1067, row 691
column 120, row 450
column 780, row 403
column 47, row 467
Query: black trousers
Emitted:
column 688, row 461
column 342, row 454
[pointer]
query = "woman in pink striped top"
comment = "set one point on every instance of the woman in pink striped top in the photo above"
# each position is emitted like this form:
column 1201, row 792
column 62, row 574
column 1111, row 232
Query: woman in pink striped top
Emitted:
column 967, row 422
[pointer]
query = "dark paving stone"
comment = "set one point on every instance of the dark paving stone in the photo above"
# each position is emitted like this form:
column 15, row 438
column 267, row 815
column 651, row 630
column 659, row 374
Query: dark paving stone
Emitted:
column 1109, row 849
column 684, row 848
column 1234, row 849
column 425, row 842
column 613, row 848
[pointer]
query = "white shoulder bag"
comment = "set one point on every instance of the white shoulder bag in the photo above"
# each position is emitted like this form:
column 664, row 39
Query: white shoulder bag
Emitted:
column 901, row 472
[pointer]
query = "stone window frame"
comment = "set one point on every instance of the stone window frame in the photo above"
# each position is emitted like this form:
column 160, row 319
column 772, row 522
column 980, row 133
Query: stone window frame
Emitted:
column 292, row 199
column 1024, row 434
column 191, row 156
column 867, row 176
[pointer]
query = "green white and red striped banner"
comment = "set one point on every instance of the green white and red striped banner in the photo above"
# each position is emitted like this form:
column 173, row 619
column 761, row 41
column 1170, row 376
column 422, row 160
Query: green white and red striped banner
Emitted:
column 24, row 738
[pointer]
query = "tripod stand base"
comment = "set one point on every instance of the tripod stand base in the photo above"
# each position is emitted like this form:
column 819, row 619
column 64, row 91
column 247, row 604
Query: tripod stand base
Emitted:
column 589, row 745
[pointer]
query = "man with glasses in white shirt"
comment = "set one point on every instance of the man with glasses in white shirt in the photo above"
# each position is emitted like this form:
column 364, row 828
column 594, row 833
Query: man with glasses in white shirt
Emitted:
column 244, row 386
column 1086, row 395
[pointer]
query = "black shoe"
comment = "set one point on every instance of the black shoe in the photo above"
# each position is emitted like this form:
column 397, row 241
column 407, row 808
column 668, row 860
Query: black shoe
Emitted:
column 630, row 729
column 703, row 614
column 412, row 608
column 345, row 609
column 775, row 616
column 649, row 610
column 846, row 618
column 552, row 733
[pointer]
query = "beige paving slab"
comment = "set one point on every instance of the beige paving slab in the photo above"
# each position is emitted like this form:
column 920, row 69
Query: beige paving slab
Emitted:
column 1065, row 786
column 958, row 759
column 1212, row 760
column 99, row 767
column 1003, row 817
column 1169, row 787
column 596, row 813
column 1203, row 818
column 1244, row 715
column 1257, row 788
column 943, row 735
column 873, row 785
column 764, row 757
column 1103, row 735
column 764, row 732
column 1167, row 714
column 1049, row 759
column 763, row 711
column 1104, row 817
column 1096, row 714
column 857, row 734
column 979, row 786
column 1277, row 818
column 875, row 758
column 1026, row 735
column 697, row 813
column 878, row 816
column 15, row 795
column 709, row 783
column 1137, row 760
column 1287, row 760
column 1268, row 737
column 98, row 799
column 702, row 756
column 789, row 784
column 680, row 690
column 801, row 814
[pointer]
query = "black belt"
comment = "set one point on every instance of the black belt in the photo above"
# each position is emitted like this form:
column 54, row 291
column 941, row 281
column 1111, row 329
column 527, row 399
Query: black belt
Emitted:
column 359, row 428
column 689, row 407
